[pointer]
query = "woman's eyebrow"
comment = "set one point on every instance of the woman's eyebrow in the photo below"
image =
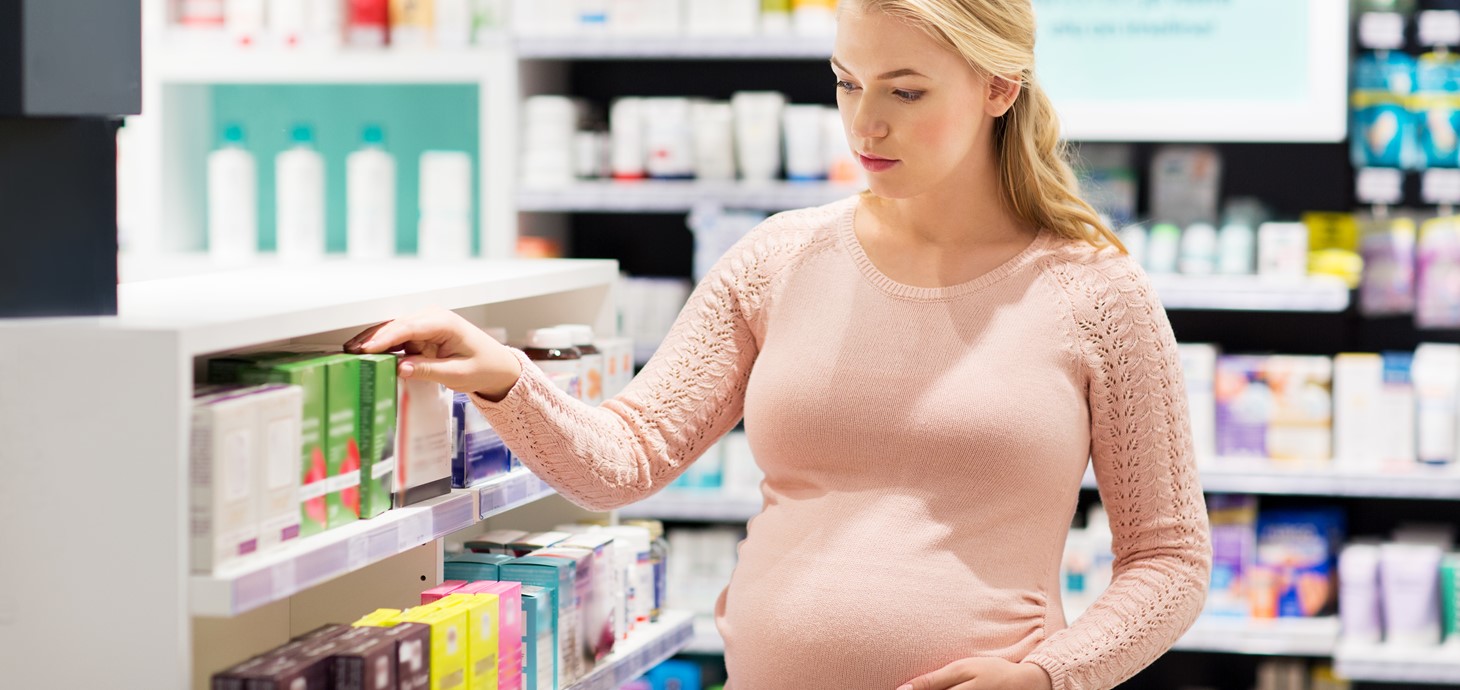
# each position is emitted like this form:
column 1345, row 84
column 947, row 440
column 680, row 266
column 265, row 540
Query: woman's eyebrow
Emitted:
column 904, row 72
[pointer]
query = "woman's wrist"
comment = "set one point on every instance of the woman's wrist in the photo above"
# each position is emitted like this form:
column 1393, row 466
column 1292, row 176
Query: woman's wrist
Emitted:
column 503, row 372
column 1038, row 677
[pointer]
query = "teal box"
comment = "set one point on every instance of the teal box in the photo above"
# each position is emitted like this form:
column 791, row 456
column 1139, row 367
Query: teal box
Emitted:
column 556, row 576
column 474, row 567
column 539, row 639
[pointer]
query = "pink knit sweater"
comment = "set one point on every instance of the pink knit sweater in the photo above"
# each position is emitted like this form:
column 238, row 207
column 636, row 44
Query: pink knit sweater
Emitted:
column 923, row 450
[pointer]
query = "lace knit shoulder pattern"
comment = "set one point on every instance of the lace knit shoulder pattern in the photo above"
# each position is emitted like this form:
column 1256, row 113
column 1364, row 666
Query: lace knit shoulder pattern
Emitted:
column 1144, row 462
column 689, row 394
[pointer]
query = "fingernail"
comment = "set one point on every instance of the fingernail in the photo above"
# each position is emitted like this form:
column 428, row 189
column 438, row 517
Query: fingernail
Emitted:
column 406, row 369
column 906, row 687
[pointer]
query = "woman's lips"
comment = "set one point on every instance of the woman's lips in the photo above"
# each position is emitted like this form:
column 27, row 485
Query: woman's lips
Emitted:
column 876, row 164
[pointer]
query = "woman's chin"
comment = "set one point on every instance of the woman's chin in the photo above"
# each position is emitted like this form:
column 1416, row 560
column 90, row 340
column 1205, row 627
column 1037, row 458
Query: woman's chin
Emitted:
column 890, row 189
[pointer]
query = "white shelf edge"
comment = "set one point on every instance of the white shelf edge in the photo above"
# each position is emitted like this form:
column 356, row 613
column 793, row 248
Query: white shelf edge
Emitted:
column 182, row 65
column 1319, row 294
column 320, row 558
column 1311, row 637
column 680, row 47
column 641, row 652
column 225, row 311
column 695, row 506
column 663, row 196
column 1382, row 664
column 323, row 557
column 1252, row 477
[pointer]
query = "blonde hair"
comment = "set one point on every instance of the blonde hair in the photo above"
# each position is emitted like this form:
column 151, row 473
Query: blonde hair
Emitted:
column 996, row 37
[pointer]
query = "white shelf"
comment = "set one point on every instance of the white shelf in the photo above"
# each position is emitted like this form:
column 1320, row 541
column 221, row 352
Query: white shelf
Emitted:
column 1315, row 637
column 1252, row 293
column 694, row 506
column 662, row 196
column 1243, row 476
column 223, row 65
column 323, row 557
column 217, row 312
column 675, row 47
column 1382, row 664
column 643, row 651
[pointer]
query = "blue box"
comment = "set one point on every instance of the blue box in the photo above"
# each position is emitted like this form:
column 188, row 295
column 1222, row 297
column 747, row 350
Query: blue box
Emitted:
column 477, row 452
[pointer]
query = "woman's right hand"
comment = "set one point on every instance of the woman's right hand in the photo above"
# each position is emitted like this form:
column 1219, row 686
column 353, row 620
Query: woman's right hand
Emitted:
column 444, row 348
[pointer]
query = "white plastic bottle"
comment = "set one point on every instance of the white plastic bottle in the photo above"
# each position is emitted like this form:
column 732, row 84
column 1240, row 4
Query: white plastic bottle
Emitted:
column 445, row 227
column 370, row 198
column 244, row 20
column 288, row 22
column 233, row 222
column 453, row 23
column 299, row 178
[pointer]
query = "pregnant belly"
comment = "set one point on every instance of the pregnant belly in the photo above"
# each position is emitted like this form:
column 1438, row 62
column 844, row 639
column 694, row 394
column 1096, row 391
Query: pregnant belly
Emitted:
column 789, row 624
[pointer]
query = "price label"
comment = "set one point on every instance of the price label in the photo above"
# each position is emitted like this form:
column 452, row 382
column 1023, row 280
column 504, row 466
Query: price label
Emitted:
column 1439, row 28
column 414, row 530
column 357, row 554
column 1381, row 30
column 1441, row 186
column 1380, row 186
column 283, row 575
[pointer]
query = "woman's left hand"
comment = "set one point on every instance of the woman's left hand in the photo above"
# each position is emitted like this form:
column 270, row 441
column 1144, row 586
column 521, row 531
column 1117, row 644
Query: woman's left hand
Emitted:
column 982, row 673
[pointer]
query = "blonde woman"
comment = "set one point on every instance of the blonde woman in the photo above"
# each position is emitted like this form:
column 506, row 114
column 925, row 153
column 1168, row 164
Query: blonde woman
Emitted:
column 924, row 372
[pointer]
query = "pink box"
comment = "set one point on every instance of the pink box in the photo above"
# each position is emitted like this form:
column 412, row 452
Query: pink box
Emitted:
column 509, row 641
column 441, row 590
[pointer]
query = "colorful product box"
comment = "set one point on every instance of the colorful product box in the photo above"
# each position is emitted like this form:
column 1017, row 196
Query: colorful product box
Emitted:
column 483, row 613
column 440, row 591
column 478, row 453
column 368, row 662
column 412, row 647
column 540, row 638
column 342, row 439
column 377, row 433
column 1397, row 416
column 1234, row 546
column 1277, row 408
column 1297, row 559
column 309, row 374
column 534, row 542
column 448, row 643
column 1358, row 388
column 277, row 482
column 582, row 575
column 474, row 567
column 223, row 508
column 556, row 576
column 423, row 442
column 510, row 645
column 605, row 607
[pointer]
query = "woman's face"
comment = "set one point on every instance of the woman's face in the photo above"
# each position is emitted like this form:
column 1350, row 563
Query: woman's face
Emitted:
column 916, row 114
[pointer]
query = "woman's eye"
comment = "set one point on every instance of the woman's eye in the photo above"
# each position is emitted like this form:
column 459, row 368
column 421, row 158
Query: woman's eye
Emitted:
column 846, row 86
column 907, row 96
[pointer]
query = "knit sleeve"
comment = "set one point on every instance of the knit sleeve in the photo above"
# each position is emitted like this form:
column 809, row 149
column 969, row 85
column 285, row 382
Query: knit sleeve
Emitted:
column 1144, row 463
column 690, row 394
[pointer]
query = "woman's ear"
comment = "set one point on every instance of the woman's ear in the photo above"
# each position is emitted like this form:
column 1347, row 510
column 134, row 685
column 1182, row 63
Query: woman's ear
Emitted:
column 1002, row 92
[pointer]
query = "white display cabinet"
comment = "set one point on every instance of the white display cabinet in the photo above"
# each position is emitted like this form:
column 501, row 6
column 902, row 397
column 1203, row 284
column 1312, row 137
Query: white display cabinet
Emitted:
column 95, row 584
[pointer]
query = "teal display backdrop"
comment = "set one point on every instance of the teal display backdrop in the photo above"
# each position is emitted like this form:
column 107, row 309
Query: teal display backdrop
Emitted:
column 415, row 117
column 1191, row 50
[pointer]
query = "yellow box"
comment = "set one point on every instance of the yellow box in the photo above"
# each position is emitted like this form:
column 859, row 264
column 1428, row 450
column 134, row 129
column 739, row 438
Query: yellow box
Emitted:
column 379, row 618
column 483, row 630
column 448, row 643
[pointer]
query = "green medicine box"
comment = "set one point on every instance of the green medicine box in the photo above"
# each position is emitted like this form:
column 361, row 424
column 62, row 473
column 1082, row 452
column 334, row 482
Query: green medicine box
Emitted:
column 377, row 433
column 342, row 438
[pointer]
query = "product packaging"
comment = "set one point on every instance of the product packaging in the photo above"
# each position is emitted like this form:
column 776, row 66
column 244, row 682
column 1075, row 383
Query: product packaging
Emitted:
column 555, row 575
column 1410, row 577
column 1234, row 552
column 223, row 508
column 368, row 663
column 1297, row 550
column 535, row 541
column 669, row 138
column 423, row 442
column 378, row 400
column 1282, row 250
column 1163, row 249
column 1359, row 600
column 367, row 23
column 713, row 124
column 1437, row 292
column 1450, row 595
column 496, row 541
column 1358, row 394
column 309, row 373
column 626, row 132
column 478, row 453
column 511, row 651
column 276, row 477
column 445, row 231
column 1184, row 184
column 1199, row 249
column 758, row 134
column 233, row 224
column 412, row 23
column 370, row 192
column 1278, row 408
column 805, row 161
column 300, row 202
column 482, row 636
column 1388, row 248
column 1199, row 370
column 448, row 643
column 1436, row 373
column 593, row 577
column 440, row 591
column 1397, row 412
column 475, row 567
column 540, row 637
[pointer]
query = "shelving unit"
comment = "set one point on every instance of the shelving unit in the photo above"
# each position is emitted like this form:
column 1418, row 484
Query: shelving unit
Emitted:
column 660, row 196
column 645, row 650
column 1251, row 293
column 674, row 48
column 1242, row 476
column 1381, row 664
column 116, row 549
column 183, row 65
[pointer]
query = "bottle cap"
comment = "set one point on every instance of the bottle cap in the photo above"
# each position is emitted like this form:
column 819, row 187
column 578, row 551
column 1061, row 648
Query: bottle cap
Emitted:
column 302, row 134
column 373, row 134
column 550, row 339
column 233, row 133
column 582, row 333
